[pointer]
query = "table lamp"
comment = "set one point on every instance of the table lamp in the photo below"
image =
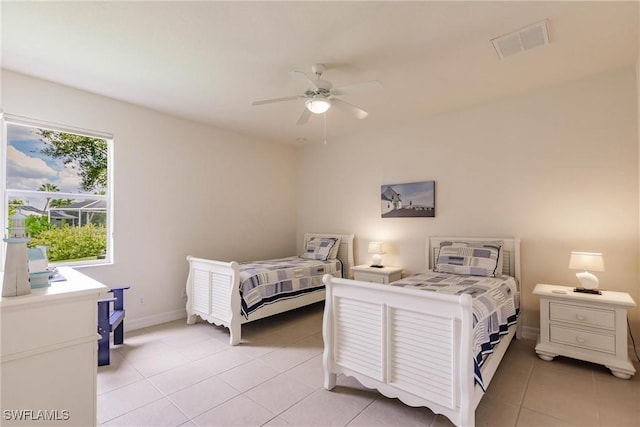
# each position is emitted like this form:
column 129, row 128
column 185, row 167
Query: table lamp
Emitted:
column 376, row 248
column 587, row 261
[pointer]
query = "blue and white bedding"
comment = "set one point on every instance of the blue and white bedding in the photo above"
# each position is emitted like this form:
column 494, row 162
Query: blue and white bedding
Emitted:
column 496, row 306
column 268, row 281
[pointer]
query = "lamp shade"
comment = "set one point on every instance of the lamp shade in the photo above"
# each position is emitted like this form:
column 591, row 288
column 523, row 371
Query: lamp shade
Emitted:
column 376, row 248
column 587, row 261
column 318, row 105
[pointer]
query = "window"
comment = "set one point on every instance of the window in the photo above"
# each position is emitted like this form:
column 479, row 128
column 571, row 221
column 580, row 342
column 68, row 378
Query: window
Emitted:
column 59, row 179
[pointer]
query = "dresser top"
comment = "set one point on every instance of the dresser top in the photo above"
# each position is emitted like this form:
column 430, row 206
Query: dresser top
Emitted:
column 607, row 297
column 76, row 283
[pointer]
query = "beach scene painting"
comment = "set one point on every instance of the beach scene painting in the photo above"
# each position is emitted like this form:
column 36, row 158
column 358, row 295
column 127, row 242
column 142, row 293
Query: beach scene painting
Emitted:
column 413, row 199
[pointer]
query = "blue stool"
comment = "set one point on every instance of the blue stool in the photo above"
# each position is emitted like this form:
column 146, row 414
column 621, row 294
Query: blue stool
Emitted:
column 110, row 322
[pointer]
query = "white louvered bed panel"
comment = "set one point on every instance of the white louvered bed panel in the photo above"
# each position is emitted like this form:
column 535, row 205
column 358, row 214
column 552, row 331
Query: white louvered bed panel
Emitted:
column 420, row 358
column 359, row 336
column 201, row 294
column 221, row 285
column 343, row 254
column 507, row 264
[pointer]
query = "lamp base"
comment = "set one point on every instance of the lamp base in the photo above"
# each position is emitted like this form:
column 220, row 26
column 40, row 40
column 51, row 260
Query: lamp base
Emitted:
column 587, row 291
column 587, row 280
column 376, row 261
column 377, row 266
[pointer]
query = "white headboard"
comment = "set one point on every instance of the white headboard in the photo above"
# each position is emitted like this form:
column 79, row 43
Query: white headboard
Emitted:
column 345, row 252
column 510, row 254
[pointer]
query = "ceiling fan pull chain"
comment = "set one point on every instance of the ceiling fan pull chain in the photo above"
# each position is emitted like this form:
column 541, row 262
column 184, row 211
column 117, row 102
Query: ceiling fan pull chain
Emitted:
column 325, row 128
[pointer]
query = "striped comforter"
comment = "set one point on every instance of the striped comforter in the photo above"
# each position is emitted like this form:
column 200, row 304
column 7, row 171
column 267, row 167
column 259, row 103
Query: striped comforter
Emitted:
column 265, row 282
column 496, row 305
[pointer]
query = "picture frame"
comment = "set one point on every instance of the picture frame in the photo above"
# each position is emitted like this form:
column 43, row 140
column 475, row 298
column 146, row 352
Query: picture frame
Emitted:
column 412, row 200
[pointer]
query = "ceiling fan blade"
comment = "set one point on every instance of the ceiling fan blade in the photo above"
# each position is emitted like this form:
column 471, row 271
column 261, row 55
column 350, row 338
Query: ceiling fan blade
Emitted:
column 270, row 101
column 357, row 87
column 345, row 106
column 299, row 75
column 304, row 117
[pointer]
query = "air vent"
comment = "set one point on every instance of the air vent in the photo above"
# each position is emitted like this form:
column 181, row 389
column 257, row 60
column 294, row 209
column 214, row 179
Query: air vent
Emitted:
column 523, row 39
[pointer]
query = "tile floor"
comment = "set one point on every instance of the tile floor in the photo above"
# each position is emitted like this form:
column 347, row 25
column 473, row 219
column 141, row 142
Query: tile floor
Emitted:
column 174, row 374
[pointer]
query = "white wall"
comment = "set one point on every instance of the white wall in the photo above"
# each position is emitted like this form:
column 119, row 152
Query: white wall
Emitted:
column 180, row 188
column 557, row 167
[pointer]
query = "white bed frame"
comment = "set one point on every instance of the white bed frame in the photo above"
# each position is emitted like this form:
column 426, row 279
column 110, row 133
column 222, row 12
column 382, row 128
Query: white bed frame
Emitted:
column 213, row 290
column 410, row 344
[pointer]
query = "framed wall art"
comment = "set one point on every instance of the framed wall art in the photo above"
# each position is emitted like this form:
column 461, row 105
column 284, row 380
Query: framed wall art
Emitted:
column 413, row 199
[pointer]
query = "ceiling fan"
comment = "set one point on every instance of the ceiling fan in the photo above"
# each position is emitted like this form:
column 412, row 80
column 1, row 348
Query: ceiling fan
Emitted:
column 320, row 95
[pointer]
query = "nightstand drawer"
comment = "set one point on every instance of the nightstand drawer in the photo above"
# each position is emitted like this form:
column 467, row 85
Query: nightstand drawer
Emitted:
column 582, row 315
column 368, row 277
column 582, row 339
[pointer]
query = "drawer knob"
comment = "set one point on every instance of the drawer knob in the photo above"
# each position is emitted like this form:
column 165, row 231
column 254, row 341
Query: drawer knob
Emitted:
column 580, row 339
column 580, row 316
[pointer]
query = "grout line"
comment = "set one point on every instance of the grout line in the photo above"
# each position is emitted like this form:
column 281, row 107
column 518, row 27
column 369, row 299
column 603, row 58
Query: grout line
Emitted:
column 147, row 404
column 595, row 394
column 162, row 396
column 524, row 395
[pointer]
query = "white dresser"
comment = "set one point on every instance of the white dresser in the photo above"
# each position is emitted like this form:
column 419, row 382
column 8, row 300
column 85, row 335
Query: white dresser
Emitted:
column 49, row 354
column 584, row 326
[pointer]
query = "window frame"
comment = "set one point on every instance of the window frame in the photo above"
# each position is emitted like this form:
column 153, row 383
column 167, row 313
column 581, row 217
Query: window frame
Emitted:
column 6, row 120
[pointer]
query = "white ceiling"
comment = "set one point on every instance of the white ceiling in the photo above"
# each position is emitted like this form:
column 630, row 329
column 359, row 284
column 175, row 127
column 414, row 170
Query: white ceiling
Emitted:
column 208, row 61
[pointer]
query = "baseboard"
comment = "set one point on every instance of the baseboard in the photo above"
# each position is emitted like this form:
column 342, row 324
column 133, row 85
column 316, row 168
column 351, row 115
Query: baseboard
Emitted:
column 156, row 319
column 530, row 333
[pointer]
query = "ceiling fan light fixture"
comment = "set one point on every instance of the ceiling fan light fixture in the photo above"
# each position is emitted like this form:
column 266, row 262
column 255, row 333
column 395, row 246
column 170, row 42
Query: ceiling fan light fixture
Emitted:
column 318, row 105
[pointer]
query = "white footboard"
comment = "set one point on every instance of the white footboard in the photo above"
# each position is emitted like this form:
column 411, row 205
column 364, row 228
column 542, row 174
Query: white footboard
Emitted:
column 408, row 344
column 213, row 294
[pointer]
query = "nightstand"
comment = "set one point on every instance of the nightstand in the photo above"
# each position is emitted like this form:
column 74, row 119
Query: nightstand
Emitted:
column 383, row 275
column 584, row 326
